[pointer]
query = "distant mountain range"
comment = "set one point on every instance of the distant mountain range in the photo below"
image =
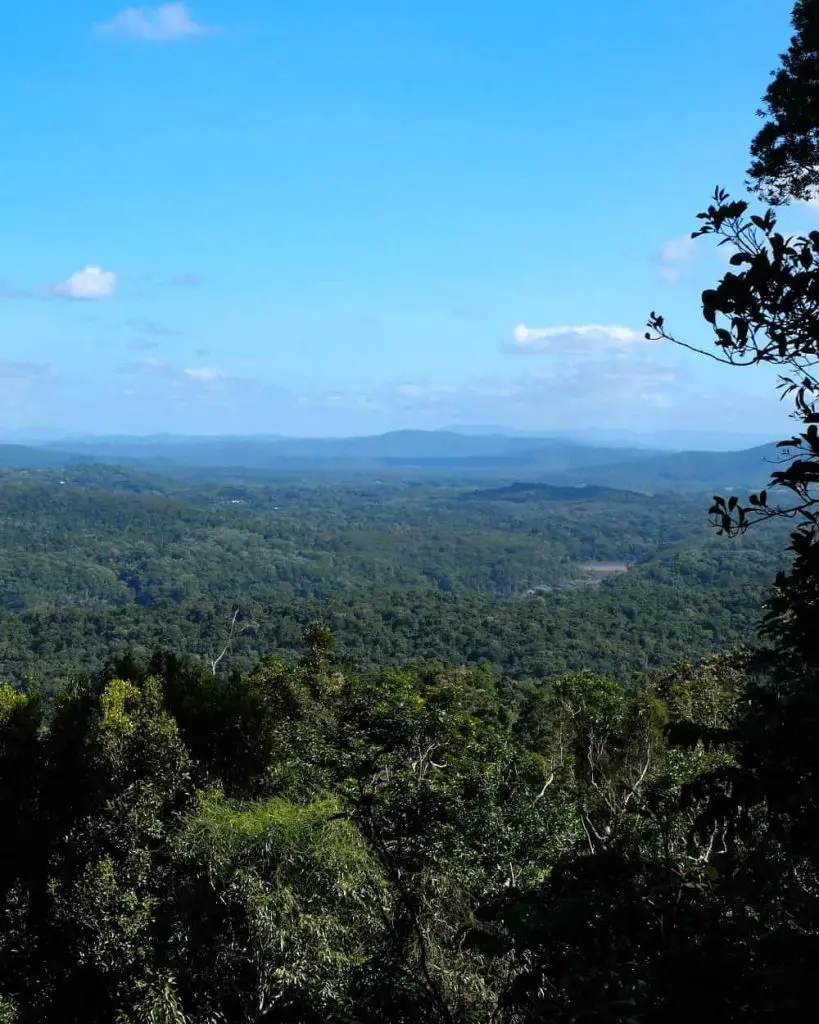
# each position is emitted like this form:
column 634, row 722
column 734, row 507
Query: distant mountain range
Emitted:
column 557, row 461
column 404, row 448
column 664, row 440
column 674, row 471
column 605, row 437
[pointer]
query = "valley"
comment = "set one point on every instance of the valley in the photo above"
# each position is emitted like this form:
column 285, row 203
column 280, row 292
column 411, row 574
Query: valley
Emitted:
column 528, row 579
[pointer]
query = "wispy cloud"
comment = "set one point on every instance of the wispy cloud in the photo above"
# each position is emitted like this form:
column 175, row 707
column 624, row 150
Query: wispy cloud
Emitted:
column 191, row 375
column 550, row 394
column 204, row 374
column 89, row 283
column 159, row 23
column 570, row 339
column 427, row 392
column 675, row 257
column 435, row 394
column 550, row 398
column 142, row 345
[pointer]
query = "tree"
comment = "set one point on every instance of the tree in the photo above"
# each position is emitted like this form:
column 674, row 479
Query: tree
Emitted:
column 276, row 906
column 766, row 313
column 785, row 152
column 603, row 742
column 763, row 801
column 110, row 778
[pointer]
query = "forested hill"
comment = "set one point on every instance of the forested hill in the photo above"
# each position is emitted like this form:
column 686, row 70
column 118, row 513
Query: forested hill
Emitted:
column 721, row 471
column 528, row 580
column 521, row 491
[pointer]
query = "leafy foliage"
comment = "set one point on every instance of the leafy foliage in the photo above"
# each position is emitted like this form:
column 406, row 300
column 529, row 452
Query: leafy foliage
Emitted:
column 785, row 151
column 300, row 843
column 399, row 572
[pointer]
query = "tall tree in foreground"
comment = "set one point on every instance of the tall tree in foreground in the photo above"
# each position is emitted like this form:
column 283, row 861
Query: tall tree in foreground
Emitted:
column 716, row 915
column 765, row 310
column 785, row 152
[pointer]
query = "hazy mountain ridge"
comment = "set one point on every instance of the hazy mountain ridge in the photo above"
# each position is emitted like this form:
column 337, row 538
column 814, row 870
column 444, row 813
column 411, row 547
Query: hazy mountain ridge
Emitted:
column 750, row 468
column 402, row 444
column 561, row 462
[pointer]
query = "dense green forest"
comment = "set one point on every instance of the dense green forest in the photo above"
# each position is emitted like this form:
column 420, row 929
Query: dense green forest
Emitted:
column 301, row 844
column 331, row 751
column 98, row 561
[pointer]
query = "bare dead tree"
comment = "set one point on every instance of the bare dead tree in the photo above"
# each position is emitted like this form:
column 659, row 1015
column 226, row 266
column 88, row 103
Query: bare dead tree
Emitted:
column 232, row 634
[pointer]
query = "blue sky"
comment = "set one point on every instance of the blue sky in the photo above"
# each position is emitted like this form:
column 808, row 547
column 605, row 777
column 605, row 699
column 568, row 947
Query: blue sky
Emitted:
column 324, row 217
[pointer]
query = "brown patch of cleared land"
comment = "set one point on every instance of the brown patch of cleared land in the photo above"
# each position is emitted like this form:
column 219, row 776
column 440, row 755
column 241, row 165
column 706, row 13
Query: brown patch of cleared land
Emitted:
column 595, row 573
column 606, row 568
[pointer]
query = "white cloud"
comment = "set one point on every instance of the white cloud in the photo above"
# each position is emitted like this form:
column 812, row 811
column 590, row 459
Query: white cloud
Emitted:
column 204, row 373
column 335, row 400
column 157, row 24
column 89, row 283
column 676, row 255
column 428, row 392
column 567, row 339
column 163, row 370
column 557, row 392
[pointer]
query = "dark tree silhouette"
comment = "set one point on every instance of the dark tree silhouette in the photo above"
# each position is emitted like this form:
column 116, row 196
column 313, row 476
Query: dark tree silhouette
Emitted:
column 785, row 152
